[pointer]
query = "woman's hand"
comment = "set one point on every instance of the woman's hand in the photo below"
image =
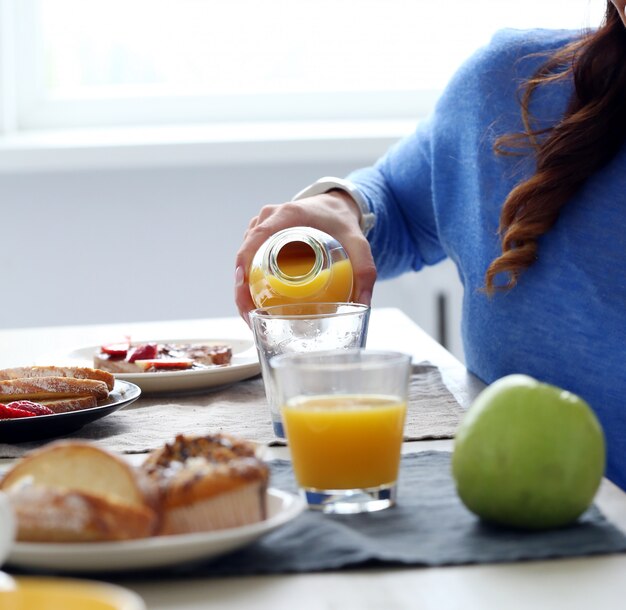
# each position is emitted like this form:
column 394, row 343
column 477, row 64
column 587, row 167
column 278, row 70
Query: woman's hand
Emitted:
column 335, row 213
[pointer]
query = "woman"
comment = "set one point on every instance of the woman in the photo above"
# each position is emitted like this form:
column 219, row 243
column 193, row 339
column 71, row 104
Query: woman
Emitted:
column 525, row 189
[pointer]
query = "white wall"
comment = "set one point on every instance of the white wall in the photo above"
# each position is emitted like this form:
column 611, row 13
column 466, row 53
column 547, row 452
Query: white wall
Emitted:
column 156, row 243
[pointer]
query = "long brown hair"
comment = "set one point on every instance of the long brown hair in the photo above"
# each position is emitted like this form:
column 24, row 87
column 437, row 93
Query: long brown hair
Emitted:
column 587, row 137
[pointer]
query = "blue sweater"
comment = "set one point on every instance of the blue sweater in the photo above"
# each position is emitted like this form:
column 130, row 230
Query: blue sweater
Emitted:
column 438, row 193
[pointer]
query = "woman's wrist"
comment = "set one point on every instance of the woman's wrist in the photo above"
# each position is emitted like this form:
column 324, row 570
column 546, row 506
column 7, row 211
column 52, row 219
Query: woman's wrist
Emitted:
column 337, row 185
column 347, row 201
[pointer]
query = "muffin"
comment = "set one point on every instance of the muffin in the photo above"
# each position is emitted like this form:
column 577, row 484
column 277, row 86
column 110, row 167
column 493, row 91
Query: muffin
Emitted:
column 208, row 483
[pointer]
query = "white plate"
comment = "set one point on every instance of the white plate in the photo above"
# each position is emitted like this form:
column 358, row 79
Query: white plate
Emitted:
column 244, row 364
column 154, row 552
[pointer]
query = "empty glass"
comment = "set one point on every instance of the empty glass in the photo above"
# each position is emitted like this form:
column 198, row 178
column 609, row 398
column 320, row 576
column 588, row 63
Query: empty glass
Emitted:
column 304, row 327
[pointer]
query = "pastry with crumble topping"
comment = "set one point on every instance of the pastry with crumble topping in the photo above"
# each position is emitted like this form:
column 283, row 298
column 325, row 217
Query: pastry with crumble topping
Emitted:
column 208, row 483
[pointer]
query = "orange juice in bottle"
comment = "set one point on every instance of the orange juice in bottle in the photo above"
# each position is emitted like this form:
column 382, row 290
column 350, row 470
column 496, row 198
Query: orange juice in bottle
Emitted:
column 300, row 265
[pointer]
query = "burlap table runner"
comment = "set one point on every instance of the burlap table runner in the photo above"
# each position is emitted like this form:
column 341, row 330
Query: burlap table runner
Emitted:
column 241, row 409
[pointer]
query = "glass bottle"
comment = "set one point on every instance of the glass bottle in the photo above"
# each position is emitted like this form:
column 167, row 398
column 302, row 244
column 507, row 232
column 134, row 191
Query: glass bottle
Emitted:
column 300, row 265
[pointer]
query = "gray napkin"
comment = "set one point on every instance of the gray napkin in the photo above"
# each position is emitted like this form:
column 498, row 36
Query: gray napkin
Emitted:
column 428, row 527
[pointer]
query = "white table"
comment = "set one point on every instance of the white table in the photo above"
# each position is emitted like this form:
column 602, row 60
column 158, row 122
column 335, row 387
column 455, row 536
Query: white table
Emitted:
column 598, row 582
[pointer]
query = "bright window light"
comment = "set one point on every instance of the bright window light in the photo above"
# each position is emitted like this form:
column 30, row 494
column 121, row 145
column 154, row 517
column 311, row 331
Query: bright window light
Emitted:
column 144, row 62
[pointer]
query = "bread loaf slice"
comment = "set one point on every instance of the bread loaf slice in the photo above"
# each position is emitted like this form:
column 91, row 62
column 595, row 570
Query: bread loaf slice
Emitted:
column 79, row 466
column 75, row 372
column 115, row 365
column 48, row 388
column 66, row 405
column 45, row 514
column 74, row 491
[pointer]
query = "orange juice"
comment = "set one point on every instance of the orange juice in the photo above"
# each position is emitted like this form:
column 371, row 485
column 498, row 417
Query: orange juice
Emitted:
column 300, row 265
column 344, row 441
column 328, row 286
column 46, row 593
column 296, row 259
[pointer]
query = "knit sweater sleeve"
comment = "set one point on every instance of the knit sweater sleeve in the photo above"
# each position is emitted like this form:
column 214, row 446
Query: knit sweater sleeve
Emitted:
column 398, row 189
column 421, row 190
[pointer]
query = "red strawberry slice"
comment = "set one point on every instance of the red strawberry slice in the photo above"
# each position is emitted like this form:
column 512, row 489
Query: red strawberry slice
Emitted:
column 145, row 351
column 116, row 350
column 8, row 412
column 31, row 407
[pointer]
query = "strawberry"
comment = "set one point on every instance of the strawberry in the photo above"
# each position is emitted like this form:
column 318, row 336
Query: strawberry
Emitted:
column 145, row 351
column 116, row 350
column 8, row 412
column 31, row 407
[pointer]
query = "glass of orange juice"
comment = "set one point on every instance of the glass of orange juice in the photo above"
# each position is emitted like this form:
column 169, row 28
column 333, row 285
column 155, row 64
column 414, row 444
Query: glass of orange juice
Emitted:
column 343, row 413
column 304, row 327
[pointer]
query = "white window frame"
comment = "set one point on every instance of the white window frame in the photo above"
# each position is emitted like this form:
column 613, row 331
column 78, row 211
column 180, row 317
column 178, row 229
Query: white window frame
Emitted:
column 33, row 138
column 8, row 90
column 34, row 112
column 40, row 134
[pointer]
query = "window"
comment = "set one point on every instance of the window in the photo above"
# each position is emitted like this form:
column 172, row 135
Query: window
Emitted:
column 71, row 63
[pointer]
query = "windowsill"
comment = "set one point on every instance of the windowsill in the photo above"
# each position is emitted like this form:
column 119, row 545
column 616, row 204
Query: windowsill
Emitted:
column 185, row 145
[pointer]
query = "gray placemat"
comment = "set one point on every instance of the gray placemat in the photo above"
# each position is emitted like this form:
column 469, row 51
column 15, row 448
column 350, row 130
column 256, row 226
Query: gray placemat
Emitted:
column 428, row 527
column 241, row 409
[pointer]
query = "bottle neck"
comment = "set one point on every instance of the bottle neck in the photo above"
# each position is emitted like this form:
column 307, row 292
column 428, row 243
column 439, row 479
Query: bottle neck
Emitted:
column 297, row 259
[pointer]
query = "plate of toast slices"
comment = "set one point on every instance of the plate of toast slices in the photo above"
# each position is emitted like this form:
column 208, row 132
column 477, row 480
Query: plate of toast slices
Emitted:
column 174, row 365
column 39, row 402
column 195, row 498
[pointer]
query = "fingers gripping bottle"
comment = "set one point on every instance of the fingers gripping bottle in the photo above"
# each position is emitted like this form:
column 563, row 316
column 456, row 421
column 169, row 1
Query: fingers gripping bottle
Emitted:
column 300, row 265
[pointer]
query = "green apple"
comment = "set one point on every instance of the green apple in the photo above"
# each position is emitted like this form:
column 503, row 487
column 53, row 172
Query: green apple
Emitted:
column 528, row 454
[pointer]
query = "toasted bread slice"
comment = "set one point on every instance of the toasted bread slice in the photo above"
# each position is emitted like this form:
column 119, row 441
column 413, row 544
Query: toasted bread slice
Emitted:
column 201, row 354
column 115, row 365
column 65, row 405
column 76, row 372
column 72, row 491
column 48, row 388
